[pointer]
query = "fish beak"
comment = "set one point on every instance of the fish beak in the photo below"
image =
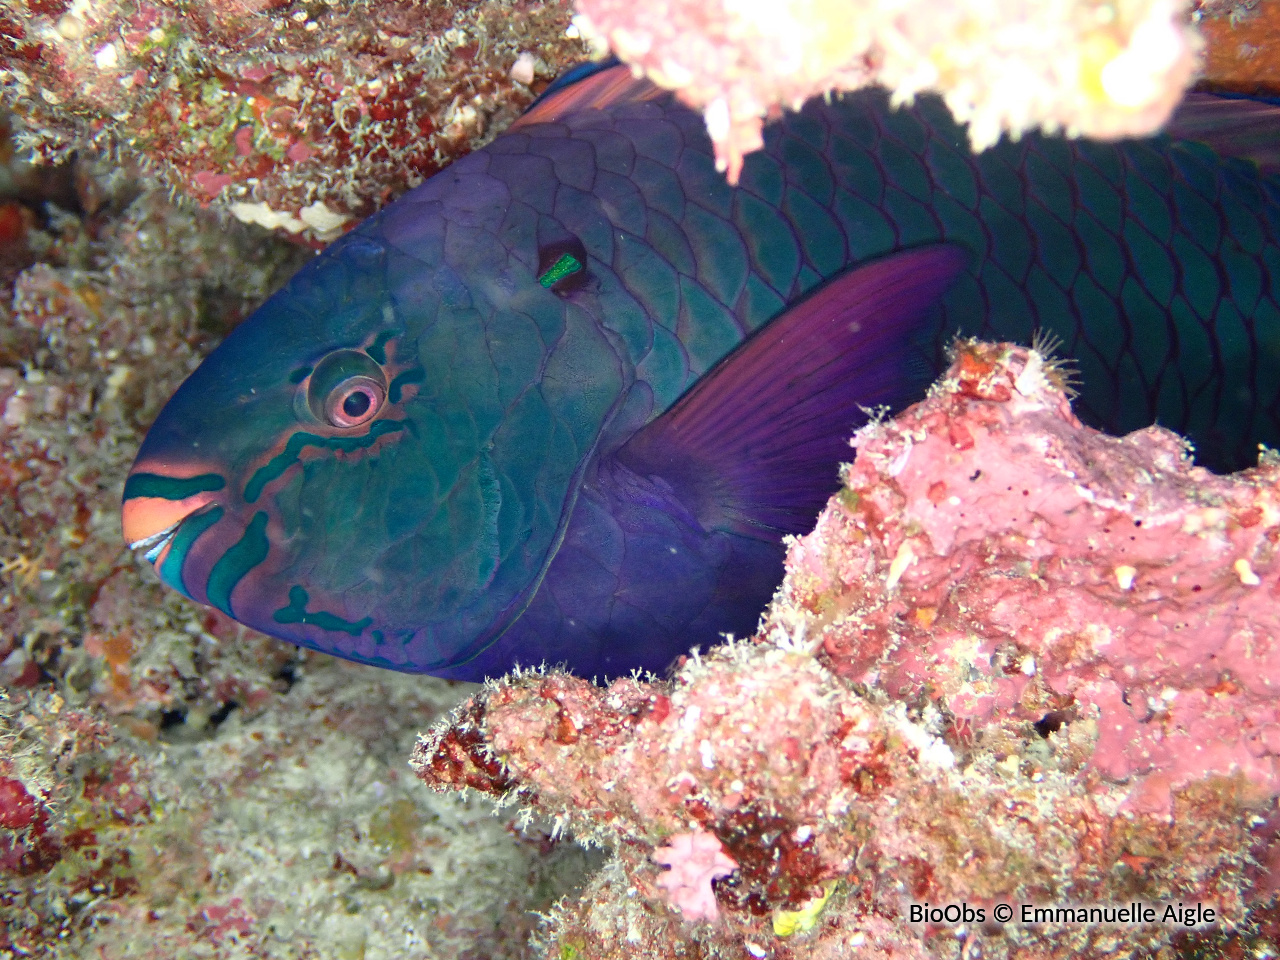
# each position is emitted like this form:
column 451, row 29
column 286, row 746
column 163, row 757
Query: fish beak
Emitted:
column 151, row 522
column 155, row 544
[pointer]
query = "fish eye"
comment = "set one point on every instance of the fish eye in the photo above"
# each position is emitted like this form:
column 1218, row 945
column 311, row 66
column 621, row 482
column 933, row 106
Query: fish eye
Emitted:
column 347, row 389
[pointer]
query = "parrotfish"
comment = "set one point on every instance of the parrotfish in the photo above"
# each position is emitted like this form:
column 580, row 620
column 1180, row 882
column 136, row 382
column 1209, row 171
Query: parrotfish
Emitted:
column 562, row 402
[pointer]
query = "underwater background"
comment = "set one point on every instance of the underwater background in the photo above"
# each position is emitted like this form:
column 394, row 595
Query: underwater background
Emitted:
column 172, row 784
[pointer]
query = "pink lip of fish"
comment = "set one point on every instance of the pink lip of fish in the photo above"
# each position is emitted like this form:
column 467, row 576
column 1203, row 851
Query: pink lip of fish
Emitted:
column 150, row 522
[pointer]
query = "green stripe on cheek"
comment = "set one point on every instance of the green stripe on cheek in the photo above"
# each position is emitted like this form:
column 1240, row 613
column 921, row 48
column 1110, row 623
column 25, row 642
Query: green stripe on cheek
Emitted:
column 171, row 488
column 296, row 612
column 241, row 557
column 377, row 350
column 188, row 533
column 416, row 375
column 282, row 461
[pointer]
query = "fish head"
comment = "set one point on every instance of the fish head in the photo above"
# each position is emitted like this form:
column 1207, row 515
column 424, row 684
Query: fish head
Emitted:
column 359, row 467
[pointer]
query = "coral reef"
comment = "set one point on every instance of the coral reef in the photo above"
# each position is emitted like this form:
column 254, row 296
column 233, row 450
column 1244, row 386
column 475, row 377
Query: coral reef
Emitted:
column 1104, row 70
column 908, row 727
column 1017, row 663
column 1104, row 576
column 306, row 117
column 125, row 297
column 298, row 116
column 171, row 784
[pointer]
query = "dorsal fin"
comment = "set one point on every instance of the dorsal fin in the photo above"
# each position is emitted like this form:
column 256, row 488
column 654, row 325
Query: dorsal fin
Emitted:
column 753, row 446
column 586, row 87
column 1232, row 126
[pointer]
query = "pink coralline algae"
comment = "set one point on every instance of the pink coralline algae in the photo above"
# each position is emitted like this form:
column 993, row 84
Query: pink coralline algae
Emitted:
column 1012, row 560
column 1017, row 662
column 1105, row 70
column 695, row 859
column 301, row 117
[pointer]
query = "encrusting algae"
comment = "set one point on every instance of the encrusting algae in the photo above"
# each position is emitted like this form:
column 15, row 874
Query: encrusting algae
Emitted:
column 300, row 117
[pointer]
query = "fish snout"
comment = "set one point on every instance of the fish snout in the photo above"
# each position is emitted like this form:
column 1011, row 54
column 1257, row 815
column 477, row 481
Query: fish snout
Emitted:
column 156, row 504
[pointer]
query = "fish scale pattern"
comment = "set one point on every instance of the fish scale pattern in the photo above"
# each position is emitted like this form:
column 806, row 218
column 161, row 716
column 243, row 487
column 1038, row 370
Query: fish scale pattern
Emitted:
column 1156, row 264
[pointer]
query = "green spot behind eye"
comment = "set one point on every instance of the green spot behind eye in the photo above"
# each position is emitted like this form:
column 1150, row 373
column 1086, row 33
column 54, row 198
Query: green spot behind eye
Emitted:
column 299, row 375
column 567, row 265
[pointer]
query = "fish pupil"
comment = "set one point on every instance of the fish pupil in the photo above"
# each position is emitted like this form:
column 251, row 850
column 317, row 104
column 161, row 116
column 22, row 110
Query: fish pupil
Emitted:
column 357, row 404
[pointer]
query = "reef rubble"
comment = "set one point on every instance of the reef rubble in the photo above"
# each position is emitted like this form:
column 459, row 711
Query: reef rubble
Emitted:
column 1017, row 662
column 299, row 117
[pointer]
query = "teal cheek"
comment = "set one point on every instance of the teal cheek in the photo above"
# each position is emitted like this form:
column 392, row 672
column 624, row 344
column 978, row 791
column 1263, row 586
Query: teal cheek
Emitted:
column 170, row 569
